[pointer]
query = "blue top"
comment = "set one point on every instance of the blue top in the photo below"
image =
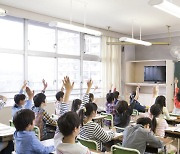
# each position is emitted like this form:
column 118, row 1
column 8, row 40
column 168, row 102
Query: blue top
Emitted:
column 27, row 143
column 138, row 106
column 28, row 105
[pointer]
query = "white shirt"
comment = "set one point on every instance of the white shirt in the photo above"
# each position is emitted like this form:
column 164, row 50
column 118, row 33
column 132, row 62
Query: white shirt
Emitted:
column 68, row 148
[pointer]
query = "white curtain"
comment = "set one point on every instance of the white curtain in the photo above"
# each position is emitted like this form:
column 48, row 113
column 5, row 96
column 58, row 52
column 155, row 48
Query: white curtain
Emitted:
column 111, row 64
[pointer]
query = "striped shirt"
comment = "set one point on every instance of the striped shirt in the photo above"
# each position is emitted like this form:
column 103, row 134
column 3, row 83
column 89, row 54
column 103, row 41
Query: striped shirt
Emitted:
column 2, row 103
column 61, row 108
column 93, row 131
column 161, row 127
column 85, row 100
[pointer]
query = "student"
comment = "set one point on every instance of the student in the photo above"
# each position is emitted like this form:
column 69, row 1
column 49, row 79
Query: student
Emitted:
column 42, row 117
column 20, row 101
column 91, row 97
column 91, row 130
column 176, row 98
column 116, row 96
column 59, row 98
column 123, row 113
column 134, row 97
column 26, row 141
column 110, row 107
column 76, row 105
column 159, row 124
column 161, row 100
column 5, row 147
column 65, row 140
column 139, row 135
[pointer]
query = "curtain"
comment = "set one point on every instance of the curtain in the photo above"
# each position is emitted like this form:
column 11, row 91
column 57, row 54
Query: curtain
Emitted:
column 111, row 65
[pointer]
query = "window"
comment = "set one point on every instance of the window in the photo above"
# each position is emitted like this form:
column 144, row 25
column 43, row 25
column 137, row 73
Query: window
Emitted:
column 68, row 43
column 41, row 38
column 71, row 68
column 92, row 70
column 11, row 34
column 92, row 45
column 42, row 68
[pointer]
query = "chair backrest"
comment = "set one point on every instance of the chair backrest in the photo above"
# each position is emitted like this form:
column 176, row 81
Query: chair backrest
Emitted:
column 39, row 122
column 122, row 150
column 108, row 117
column 11, row 123
column 37, row 132
column 88, row 143
column 135, row 112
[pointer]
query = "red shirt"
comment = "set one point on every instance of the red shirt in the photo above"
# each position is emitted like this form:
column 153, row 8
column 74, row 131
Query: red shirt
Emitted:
column 176, row 102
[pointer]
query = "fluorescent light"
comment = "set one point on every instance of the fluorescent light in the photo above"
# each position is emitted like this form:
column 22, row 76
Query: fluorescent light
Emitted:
column 135, row 41
column 3, row 12
column 166, row 6
column 74, row 28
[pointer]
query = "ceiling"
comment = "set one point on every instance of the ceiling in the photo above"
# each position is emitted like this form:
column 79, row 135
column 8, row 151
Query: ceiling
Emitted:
column 118, row 14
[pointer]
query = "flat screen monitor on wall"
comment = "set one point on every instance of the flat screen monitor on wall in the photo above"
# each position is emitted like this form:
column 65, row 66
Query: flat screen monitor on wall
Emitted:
column 155, row 73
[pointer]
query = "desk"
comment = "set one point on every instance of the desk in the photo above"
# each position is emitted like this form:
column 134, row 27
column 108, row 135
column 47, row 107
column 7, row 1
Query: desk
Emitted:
column 6, row 133
column 173, row 120
column 173, row 134
column 99, row 119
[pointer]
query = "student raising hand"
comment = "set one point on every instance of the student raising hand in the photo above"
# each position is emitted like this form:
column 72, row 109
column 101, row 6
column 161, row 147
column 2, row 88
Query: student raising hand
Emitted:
column 29, row 93
column 68, row 87
column 89, row 85
column 23, row 86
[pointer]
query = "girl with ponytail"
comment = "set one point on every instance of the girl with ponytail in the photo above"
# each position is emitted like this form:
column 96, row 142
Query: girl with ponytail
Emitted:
column 91, row 130
column 76, row 105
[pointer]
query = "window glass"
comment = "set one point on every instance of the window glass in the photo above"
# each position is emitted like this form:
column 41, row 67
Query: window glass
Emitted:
column 68, row 43
column 11, row 34
column 41, row 38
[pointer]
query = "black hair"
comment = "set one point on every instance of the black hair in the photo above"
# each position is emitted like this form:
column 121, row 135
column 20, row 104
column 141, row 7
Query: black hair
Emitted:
column 131, row 97
column 87, row 111
column 18, row 98
column 110, row 97
column 116, row 94
column 144, row 121
column 39, row 99
column 76, row 105
column 91, row 98
column 178, row 96
column 161, row 100
column 68, row 122
column 23, row 118
column 155, row 111
column 59, row 95
column 121, row 107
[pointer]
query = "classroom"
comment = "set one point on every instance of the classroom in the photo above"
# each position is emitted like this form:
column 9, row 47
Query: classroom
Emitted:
column 90, row 77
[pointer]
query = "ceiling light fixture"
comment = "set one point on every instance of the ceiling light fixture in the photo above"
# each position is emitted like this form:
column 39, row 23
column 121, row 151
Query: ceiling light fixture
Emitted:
column 166, row 6
column 3, row 12
column 135, row 41
column 72, row 27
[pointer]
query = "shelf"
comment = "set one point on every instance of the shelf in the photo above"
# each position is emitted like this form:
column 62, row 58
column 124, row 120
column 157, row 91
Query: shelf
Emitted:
column 146, row 84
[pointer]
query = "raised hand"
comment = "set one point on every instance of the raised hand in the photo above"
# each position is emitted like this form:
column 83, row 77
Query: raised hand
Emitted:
column 44, row 84
column 89, row 85
column 67, row 84
column 29, row 93
column 24, row 85
column 176, row 80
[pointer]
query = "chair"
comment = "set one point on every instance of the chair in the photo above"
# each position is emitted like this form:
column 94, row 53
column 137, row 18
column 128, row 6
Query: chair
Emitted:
column 119, row 129
column 135, row 112
column 88, row 143
column 109, row 117
column 11, row 123
column 122, row 150
column 37, row 132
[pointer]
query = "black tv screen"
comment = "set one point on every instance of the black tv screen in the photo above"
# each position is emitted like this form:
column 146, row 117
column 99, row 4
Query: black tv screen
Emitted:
column 155, row 73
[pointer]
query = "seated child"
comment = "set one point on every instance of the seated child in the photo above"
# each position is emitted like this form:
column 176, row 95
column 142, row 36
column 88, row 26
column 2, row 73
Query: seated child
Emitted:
column 76, row 105
column 139, row 135
column 110, row 107
column 59, row 98
column 176, row 99
column 65, row 140
column 42, row 117
column 116, row 96
column 134, row 97
column 26, row 141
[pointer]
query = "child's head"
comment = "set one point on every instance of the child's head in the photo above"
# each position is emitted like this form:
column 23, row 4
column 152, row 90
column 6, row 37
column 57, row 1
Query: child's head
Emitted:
column 39, row 100
column 121, row 106
column 76, row 105
column 133, row 94
column 89, row 110
column 59, row 96
column 145, row 122
column 161, row 100
column 24, row 120
column 91, row 98
column 19, row 100
column 69, row 124
column 155, row 111
column 110, row 97
column 116, row 94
